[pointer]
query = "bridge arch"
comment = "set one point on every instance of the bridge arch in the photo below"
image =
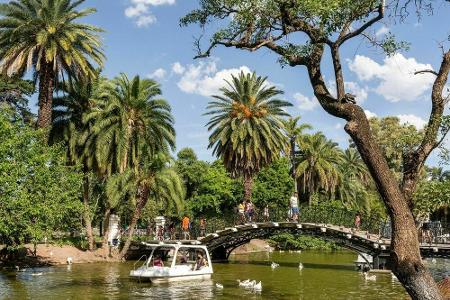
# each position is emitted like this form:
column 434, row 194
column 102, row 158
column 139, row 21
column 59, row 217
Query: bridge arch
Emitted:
column 223, row 242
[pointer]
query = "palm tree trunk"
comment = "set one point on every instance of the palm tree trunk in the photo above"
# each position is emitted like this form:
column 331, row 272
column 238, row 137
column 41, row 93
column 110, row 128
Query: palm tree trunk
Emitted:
column 46, row 87
column 106, row 227
column 293, row 173
column 142, row 199
column 86, row 213
column 248, row 187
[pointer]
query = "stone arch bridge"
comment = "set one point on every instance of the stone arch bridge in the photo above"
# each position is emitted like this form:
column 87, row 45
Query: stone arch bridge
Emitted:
column 222, row 242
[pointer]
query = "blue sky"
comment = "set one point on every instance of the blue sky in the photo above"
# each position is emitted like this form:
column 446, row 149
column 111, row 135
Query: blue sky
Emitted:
column 143, row 37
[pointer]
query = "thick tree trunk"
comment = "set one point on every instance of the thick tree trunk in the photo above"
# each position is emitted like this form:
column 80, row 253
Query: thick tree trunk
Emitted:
column 248, row 187
column 405, row 252
column 45, row 99
column 106, row 227
column 86, row 213
column 142, row 199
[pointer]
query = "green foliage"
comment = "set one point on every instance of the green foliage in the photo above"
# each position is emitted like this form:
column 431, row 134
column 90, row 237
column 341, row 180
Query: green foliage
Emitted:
column 129, row 124
column 191, row 170
column 39, row 193
column 273, row 186
column 216, row 191
column 288, row 241
column 317, row 164
column 431, row 196
column 246, row 125
column 36, row 33
column 395, row 139
column 14, row 91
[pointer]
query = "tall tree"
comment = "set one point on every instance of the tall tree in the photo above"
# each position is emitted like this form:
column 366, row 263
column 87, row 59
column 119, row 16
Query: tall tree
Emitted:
column 293, row 130
column 317, row 165
column 67, row 127
column 151, row 179
column 328, row 25
column 246, row 124
column 130, row 126
column 43, row 35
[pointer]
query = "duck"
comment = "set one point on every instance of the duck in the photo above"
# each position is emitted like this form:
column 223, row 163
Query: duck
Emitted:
column 300, row 266
column 274, row 265
column 219, row 286
column 298, row 251
column 243, row 283
column 368, row 277
column 18, row 269
column 37, row 274
column 69, row 260
column 394, row 278
column 433, row 260
column 258, row 286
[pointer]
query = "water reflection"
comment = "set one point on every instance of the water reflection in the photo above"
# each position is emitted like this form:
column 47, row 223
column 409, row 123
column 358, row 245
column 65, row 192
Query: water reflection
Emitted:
column 324, row 276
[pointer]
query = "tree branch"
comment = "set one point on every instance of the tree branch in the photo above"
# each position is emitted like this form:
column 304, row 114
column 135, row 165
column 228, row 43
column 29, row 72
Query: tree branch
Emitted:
column 426, row 71
column 345, row 37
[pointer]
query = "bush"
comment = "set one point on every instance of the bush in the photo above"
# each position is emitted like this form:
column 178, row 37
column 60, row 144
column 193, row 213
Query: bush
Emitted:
column 287, row 241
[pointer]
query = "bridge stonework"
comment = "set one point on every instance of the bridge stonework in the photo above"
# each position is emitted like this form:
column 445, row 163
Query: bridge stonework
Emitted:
column 222, row 242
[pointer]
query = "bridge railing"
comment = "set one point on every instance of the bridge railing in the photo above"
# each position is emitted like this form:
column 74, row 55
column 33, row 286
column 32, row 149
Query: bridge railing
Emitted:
column 439, row 233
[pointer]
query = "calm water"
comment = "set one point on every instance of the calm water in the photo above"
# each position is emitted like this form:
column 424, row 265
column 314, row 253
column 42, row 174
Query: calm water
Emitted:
column 325, row 276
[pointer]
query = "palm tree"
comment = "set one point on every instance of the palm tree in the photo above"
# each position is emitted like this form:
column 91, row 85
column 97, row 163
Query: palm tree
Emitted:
column 128, row 131
column 247, row 128
column 352, row 166
column 153, row 179
column 317, row 166
column 42, row 35
column 293, row 130
column 67, row 126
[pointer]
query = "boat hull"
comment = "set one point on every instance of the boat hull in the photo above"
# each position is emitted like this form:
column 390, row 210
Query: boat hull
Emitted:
column 169, row 275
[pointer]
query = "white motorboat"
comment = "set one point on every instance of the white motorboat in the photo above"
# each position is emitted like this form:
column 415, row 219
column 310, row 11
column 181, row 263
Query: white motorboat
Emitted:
column 173, row 262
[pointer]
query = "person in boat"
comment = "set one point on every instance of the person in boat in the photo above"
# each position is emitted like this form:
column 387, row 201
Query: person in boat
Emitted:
column 158, row 262
column 200, row 262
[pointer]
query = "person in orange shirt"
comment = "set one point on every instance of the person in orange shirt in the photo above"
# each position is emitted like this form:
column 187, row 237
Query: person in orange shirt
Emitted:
column 185, row 226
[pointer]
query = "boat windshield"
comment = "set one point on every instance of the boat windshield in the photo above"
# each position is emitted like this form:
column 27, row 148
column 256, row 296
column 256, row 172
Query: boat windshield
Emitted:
column 195, row 258
column 162, row 257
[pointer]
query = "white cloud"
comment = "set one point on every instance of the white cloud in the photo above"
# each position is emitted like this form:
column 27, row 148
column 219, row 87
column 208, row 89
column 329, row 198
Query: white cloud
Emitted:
column 382, row 31
column 370, row 114
column 396, row 79
column 414, row 120
column 305, row 103
column 338, row 126
column 158, row 74
column 204, row 78
column 139, row 11
column 177, row 68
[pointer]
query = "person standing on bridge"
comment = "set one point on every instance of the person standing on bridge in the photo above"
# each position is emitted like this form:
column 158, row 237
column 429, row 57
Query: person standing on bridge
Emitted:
column 294, row 207
column 185, row 226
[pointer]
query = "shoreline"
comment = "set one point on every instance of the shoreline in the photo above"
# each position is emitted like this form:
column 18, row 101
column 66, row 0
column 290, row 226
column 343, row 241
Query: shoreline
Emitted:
column 55, row 255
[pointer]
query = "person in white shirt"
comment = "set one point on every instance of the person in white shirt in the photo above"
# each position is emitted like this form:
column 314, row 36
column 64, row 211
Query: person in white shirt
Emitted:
column 294, row 207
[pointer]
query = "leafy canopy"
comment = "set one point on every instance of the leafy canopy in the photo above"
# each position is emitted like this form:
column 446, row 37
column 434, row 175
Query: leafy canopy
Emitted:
column 34, row 33
column 39, row 193
column 246, row 124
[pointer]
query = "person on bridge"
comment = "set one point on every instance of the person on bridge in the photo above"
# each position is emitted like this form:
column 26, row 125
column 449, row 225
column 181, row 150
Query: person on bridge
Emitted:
column 185, row 226
column 294, row 207
column 241, row 212
column 357, row 221
column 266, row 213
column 202, row 226
column 249, row 211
